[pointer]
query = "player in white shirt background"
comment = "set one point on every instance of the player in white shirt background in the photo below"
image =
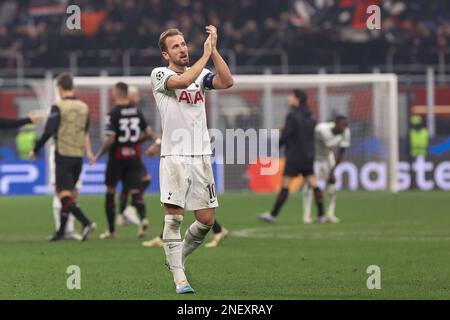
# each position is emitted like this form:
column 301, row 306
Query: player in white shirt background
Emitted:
column 186, row 176
column 329, row 136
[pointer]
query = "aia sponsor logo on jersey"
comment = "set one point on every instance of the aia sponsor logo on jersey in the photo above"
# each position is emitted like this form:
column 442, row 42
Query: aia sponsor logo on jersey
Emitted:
column 190, row 97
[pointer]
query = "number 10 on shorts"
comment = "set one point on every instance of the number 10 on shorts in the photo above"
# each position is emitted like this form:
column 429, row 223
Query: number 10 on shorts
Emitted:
column 212, row 192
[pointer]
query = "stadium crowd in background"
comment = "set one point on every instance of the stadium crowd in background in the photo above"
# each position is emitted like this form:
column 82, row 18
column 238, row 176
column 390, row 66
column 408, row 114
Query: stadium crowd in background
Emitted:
column 414, row 32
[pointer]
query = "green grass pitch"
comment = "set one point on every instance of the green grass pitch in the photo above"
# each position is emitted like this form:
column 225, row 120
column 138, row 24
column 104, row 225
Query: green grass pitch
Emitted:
column 407, row 235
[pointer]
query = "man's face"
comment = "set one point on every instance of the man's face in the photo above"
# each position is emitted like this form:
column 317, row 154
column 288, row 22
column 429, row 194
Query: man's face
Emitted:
column 340, row 126
column 177, row 51
column 114, row 94
column 292, row 101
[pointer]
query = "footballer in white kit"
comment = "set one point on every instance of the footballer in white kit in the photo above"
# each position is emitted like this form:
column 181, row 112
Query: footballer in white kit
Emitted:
column 186, row 176
column 328, row 137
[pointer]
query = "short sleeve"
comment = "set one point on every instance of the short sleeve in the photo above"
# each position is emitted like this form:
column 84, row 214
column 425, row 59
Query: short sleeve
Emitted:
column 159, row 78
column 345, row 143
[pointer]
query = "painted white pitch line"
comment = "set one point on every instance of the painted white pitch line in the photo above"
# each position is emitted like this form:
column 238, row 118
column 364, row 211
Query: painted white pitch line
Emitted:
column 272, row 233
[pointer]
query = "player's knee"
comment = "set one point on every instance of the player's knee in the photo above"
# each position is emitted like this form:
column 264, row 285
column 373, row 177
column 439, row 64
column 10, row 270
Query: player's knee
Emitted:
column 110, row 200
column 66, row 204
column 137, row 198
column 318, row 193
column 207, row 219
column 172, row 209
column 124, row 195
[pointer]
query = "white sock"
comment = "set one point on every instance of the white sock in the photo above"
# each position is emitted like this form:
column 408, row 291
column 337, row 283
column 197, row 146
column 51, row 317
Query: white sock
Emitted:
column 307, row 201
column 70, row 226
column 194, row 237
column 331, row 190
column 172, row 246
column 56, row 211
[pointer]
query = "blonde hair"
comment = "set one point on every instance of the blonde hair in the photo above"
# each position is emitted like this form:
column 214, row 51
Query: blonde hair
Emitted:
column 133, row 90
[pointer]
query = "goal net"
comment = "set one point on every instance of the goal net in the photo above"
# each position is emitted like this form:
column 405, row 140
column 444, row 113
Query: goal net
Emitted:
column 258, row 102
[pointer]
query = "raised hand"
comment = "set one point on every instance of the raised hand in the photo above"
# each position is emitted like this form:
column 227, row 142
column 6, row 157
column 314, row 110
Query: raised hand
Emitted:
column 212, row 31
column 207, row 46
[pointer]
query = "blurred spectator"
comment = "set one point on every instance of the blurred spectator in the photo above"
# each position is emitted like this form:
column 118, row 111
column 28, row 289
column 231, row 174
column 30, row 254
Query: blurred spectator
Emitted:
column 311, row 31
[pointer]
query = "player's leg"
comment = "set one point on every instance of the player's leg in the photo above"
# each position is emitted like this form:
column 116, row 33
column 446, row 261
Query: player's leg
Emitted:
column 307, row 203
column 220, row 234
column 67, row 174
column 112, row 175
column 331, row 191
column 308, row 193
column 139, row 203
column 318, row 195
column 173, row 246
column 88, row 226
column 202, row 199
column 133, row 179
column 173, row 188
column 280, row 201
column 123, row 200
column 197, row 231
column 70, row 226
column 56, row 211
column 110, row 210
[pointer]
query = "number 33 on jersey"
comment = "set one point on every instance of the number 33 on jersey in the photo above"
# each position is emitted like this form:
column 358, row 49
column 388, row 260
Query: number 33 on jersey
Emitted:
column 126, row 123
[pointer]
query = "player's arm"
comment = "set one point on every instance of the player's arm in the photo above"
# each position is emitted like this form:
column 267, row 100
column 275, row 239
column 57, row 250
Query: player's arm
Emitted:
column 50, row 129
column 339, row 157
column 87, row 142
column 155, row 147
column 223, row 78
column 288, row 130
column 345, row 144
column 189, row 76
column 16, row 123
column 110, row 138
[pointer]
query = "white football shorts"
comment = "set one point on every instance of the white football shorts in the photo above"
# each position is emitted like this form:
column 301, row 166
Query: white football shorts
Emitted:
column 322, row 167
column 187, row 182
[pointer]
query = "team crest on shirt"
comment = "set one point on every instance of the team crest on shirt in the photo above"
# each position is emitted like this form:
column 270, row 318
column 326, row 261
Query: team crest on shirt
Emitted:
column 159, row 75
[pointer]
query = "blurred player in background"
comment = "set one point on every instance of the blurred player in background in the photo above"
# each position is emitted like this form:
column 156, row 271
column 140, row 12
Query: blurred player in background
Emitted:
column 69, row 232
column 126, row 130
column 298, row 137
column 328, row 136
column 68, row 123
column 127, row 214
column 186, row 176
column 16, row 123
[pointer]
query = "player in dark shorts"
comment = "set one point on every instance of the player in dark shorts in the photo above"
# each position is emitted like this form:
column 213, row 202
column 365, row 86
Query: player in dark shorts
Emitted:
column 126, row 131
column 124, row 218
column 298, row 139
column 68, row 123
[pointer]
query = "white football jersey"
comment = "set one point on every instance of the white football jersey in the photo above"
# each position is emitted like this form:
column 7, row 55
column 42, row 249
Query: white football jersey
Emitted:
column 326, row 140
column 183, row 115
